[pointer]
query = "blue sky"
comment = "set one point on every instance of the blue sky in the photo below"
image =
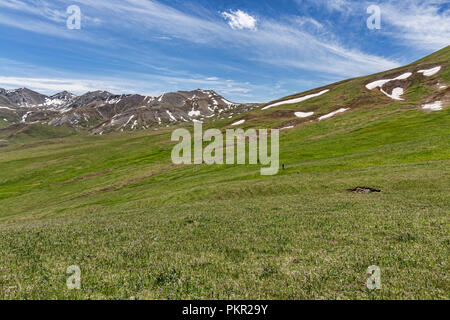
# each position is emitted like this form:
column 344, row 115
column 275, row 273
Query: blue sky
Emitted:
column 248, row 51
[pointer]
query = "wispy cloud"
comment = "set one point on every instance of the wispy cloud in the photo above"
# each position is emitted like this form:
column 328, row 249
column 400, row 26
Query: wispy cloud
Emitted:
column 272, row 42
column 422, row 24
column 302, row 21
column 335, row 5
column 37, row 8
column 148, row 84
column 47, row 18
column 53, row 85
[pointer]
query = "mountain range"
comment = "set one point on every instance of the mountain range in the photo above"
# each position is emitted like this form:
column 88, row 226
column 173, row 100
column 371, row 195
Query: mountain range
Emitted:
column 102, row 112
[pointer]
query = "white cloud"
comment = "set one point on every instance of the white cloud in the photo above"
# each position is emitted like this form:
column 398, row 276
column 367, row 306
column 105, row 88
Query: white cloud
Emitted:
column 240, row 20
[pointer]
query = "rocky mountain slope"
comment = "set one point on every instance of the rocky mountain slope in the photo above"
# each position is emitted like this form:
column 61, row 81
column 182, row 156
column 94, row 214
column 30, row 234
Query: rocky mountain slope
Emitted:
column 22, row 97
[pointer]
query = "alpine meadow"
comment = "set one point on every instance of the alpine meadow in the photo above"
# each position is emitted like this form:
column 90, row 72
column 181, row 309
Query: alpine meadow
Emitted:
column 88, row 183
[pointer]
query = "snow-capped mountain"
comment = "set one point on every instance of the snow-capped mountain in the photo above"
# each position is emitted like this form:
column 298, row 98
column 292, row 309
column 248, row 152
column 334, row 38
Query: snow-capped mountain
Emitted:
column 23, row 97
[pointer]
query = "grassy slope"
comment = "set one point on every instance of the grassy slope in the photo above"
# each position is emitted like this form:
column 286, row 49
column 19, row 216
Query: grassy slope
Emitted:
column 141, row 227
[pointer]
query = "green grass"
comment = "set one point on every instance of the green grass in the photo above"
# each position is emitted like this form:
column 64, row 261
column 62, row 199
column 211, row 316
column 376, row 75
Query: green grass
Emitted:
column 140, row 227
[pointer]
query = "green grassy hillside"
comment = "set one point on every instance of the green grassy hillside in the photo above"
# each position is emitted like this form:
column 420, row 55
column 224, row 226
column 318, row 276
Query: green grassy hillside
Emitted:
column 140, row 227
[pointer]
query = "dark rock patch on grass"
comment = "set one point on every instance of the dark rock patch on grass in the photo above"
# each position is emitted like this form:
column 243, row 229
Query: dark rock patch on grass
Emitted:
column 364, row 190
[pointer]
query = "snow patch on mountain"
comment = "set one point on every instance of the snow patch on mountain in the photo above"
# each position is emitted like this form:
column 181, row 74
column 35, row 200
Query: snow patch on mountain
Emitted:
column 303, row 114
column 7, row 108
column 380, row 83
column 25, row 116
column 238, row 123
column 194, row 113
column 436, row 106
column 113, row 101
column 129, row 120
column 396, row 93
column 172, row 118
column 53, row 102
column 332, row 114
column 296, row 100
column 430, row 72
